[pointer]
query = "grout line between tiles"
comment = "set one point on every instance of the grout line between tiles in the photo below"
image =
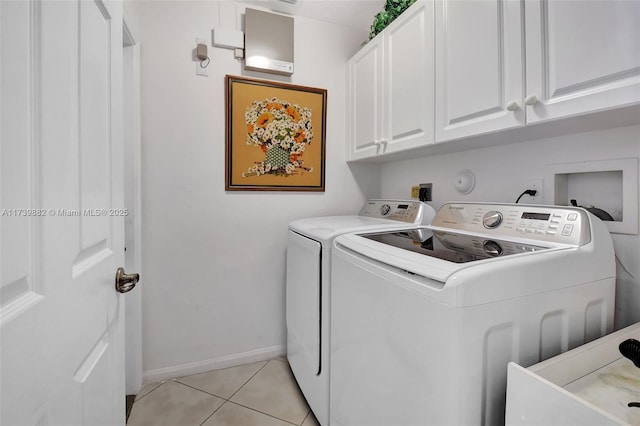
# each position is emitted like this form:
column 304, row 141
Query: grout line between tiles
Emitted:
column 200, row 390
column 213, row 394
column 148, row 393
column 214, row 411
column 191, row 387
column 266, row 414
column 248, row 380
column 307, row 416
column 206, row 393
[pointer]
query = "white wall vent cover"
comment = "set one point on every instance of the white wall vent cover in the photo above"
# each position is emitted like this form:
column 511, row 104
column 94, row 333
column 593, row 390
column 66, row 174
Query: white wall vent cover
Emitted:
column 268, row 42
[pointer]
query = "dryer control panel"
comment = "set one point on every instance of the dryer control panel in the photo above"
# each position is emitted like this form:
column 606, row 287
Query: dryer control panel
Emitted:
column 408, row 211
column 558, row 224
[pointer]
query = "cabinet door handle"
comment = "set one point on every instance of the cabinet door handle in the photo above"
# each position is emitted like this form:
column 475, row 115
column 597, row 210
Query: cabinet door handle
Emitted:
column 531, row 100
column 512, row 106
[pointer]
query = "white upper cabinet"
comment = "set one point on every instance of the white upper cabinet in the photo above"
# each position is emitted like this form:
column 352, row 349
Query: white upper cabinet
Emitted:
column 499, row 64
column 365, row 100
column 409, row 84
column 582, row 56
column 391, row 87
column 479, row 67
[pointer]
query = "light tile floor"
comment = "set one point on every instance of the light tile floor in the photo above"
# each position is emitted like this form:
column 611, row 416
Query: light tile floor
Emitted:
column 259, row 394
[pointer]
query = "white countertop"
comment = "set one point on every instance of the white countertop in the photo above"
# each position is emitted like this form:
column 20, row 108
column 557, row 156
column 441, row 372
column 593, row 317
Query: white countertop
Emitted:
column 611, row 388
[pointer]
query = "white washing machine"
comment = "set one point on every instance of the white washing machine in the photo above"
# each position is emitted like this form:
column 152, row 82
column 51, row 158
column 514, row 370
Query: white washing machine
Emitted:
column 308, row 287
column 424, row 321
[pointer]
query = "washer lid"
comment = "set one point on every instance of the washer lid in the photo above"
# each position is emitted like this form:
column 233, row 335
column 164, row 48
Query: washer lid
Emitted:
column 451, row 246
column 325, row 229
column 419, row 251
column 375, row 215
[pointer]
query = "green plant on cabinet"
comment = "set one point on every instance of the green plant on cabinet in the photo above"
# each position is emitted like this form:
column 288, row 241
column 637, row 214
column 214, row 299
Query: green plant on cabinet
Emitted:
column 392, row 9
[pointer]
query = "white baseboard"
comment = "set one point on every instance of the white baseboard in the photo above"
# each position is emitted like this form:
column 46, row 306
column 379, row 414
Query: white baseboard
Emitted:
column 226, row 361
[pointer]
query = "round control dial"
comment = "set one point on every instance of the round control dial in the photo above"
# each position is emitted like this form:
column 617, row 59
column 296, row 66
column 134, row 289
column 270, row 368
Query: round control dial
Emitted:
column 492, row 219
column 492, row 248
column 385, row 209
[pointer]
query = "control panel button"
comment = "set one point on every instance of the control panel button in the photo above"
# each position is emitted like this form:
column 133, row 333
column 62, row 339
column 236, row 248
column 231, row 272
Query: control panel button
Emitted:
column 572, row 216
column 385, row 209
column 492, row 248
column 492, row 219
column 566, row 231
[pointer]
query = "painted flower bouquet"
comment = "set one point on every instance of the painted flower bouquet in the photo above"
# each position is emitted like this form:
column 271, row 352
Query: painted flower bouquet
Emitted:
column 282, row 130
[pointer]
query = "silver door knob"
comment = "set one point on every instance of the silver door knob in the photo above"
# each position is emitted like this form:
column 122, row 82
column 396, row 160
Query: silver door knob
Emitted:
column 125, row 282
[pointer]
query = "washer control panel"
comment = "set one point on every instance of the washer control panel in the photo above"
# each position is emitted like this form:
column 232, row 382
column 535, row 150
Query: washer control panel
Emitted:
column 566, row 225
column 408, row 211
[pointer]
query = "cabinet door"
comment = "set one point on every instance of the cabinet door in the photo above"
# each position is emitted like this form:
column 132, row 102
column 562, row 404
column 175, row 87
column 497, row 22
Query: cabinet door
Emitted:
column 582, row 56
column 479, row 67
column 365, row 100
column 409, row 81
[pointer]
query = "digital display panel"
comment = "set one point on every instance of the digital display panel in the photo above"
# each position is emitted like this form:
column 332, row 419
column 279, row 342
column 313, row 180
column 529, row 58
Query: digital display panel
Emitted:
column 536, row 216
column 403, row 206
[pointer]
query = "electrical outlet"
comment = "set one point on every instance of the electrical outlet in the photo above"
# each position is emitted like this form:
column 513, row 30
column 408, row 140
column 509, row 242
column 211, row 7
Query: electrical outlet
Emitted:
column 200, row 70
column 535, row 183
column 415, row 192
column 425, row 193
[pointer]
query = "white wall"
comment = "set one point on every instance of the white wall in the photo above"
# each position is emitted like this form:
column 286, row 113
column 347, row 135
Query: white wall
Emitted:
column 214, row 261
column 501, row 175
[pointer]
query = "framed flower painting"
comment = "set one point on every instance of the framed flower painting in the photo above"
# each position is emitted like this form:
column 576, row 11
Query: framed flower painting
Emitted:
column 275, row 136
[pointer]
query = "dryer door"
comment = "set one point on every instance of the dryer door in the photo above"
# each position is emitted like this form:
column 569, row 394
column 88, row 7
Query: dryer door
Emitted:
column 304, row 278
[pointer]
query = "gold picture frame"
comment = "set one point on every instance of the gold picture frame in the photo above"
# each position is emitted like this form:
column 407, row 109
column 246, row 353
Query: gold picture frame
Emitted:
column 275, row 136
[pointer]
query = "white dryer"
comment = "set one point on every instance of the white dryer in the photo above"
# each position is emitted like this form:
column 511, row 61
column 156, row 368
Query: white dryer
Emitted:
column 425, row 321
column 308, row 287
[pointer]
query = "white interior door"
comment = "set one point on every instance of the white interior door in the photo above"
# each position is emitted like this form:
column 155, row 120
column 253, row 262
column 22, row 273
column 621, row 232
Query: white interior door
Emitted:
column 61, row 234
